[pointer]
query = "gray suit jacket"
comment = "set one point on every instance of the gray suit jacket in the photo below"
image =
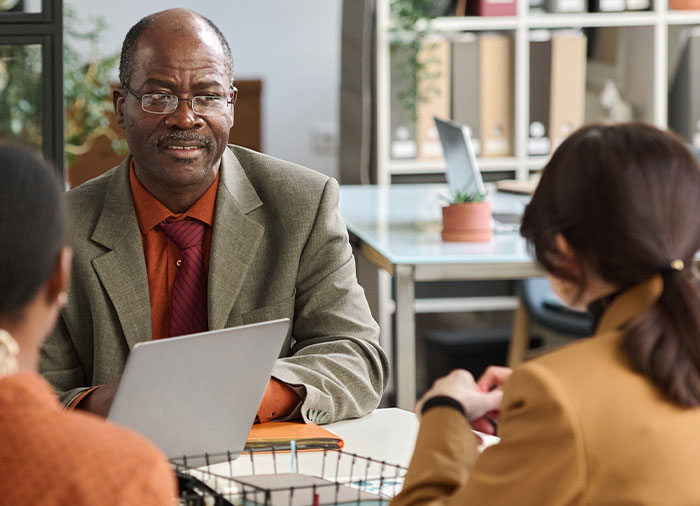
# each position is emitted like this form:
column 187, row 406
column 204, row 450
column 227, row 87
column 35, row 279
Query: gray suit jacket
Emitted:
column 279, row 249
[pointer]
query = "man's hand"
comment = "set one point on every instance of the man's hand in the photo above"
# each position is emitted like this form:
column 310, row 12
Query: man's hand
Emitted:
column 460, row 385
column 99, row 400
column 492, row 380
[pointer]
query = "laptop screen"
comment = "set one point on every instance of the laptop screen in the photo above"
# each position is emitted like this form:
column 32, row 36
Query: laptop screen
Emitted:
column 461, row 170
column 198, row 394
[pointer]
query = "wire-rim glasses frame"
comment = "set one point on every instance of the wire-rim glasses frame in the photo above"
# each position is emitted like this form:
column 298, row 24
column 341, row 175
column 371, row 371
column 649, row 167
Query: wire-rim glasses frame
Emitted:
column 166, row 103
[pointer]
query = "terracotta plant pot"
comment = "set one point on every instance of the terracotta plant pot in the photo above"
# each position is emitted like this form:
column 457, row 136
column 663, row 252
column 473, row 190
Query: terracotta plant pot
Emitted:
column 684, row 4
column 468, row 222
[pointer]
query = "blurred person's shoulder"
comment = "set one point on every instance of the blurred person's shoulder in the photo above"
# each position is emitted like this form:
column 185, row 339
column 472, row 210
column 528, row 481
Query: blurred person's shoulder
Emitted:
column 123, row 461
column 74, row 458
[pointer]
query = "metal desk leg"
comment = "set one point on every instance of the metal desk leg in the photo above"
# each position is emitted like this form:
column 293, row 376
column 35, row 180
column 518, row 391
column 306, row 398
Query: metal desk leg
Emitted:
column 520, row 338
column 404, row 277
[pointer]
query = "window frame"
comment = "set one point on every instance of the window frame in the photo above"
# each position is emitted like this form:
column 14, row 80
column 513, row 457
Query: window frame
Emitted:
column 44, row 28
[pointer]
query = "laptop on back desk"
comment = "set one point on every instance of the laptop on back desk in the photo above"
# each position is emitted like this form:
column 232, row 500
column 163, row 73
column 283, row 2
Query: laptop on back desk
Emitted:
column 462, row 169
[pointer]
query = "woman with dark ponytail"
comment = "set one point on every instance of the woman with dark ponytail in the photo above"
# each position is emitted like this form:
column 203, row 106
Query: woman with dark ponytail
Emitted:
column 613, row 419
column 49, row 456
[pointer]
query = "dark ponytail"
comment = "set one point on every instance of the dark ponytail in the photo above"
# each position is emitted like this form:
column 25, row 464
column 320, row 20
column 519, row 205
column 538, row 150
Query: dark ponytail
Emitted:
column 626, row 198
column 663, row 343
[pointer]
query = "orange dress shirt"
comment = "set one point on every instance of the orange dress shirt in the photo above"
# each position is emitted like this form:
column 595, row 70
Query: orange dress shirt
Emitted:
column 52, row 457
column 162, row 256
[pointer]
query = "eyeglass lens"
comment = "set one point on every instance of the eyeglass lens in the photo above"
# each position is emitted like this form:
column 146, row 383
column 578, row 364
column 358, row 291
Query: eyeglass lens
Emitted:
column 160, row 103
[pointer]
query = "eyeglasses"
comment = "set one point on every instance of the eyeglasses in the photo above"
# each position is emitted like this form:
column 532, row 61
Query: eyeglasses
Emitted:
column 165, row 103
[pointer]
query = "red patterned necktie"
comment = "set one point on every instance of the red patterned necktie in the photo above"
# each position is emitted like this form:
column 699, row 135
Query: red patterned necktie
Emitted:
column 188, row 306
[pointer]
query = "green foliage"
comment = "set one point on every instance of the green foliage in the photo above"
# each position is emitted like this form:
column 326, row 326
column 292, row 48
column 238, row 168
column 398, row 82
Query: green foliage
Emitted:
column 409, row 31
column 20, row 94
column 86, row 86
column 464, row 196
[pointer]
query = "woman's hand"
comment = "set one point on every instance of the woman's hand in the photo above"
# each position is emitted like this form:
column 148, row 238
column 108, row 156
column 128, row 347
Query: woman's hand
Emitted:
column 492, row 380
column 460, row 385
column 494, row 376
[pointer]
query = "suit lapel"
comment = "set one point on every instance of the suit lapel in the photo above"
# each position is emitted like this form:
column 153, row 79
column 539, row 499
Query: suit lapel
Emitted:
column 235, row 239
column 122, row 270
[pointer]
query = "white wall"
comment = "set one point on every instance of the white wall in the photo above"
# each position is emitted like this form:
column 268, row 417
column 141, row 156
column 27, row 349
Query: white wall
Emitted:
column 293, row 46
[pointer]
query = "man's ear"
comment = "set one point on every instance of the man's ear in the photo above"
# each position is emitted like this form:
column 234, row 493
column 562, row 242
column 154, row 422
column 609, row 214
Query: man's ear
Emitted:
column 118, row 99
column 233, row 105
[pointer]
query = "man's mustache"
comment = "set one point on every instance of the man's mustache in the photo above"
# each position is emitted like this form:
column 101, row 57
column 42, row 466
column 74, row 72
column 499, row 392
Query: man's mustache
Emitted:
column 184, row 136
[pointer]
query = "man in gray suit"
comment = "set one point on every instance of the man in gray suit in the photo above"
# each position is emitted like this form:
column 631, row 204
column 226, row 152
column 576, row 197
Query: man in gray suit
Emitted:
column 274, row 243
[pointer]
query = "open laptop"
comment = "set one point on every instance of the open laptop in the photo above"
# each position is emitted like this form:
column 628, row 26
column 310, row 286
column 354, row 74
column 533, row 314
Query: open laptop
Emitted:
column 199, row 393
column 462, row 170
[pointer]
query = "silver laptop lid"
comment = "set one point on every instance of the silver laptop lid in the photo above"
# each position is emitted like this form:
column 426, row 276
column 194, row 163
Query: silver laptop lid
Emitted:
column 462, row 170
column 200, row 393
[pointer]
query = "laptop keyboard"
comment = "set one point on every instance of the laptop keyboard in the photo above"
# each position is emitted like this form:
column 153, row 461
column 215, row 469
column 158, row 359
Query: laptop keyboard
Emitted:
column 508, row 218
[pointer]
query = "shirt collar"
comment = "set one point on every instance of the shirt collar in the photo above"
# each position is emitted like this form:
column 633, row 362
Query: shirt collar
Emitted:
column 630, row 303
column 150, row 211
column 598, row 307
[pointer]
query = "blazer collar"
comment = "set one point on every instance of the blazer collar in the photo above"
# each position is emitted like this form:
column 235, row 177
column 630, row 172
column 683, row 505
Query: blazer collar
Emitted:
column 235, row 239
column 235, row 190
column 114, row 223
column 122, row 268
column 237, row 184
column 630, row 303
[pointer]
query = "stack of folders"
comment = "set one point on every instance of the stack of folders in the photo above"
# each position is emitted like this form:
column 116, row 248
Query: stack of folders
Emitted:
column 508, row 7
column 469, row 79
column 279, row 435
column 434, row 85
column 570, row 6
column 684, row 93
column 557, row 87
column 482, row 91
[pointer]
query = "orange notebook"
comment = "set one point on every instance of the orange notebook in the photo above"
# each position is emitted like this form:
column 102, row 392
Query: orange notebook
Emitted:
column 277, row 435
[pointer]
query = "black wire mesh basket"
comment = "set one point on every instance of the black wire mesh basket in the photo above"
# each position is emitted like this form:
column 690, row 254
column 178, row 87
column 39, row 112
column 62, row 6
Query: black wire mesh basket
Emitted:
column 271, row 477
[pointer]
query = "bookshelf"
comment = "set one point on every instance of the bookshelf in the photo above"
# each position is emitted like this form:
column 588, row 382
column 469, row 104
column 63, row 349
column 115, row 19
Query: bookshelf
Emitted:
column 651, row 48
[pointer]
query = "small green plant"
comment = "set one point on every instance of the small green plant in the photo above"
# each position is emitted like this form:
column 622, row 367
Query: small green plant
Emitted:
column 86, row 85
column 411, row 27
column 464, row 196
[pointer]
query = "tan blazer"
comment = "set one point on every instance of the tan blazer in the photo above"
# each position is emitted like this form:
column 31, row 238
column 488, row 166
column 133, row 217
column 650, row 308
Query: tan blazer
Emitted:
column 279, row 249
column 578, row 427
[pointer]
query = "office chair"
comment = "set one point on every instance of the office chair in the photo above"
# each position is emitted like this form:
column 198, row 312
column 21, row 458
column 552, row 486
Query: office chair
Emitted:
column 539, row 305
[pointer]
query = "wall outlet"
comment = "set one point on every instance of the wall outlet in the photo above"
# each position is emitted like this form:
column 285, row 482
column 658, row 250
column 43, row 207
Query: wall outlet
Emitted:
column 324, row 140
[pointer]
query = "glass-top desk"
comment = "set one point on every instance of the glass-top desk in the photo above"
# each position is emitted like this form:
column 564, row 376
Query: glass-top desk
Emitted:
column 397, row 228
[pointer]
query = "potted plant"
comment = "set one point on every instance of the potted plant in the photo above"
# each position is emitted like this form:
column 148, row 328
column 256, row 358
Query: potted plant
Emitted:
column 86, row 85
column 411, row 26
column 467, row 217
